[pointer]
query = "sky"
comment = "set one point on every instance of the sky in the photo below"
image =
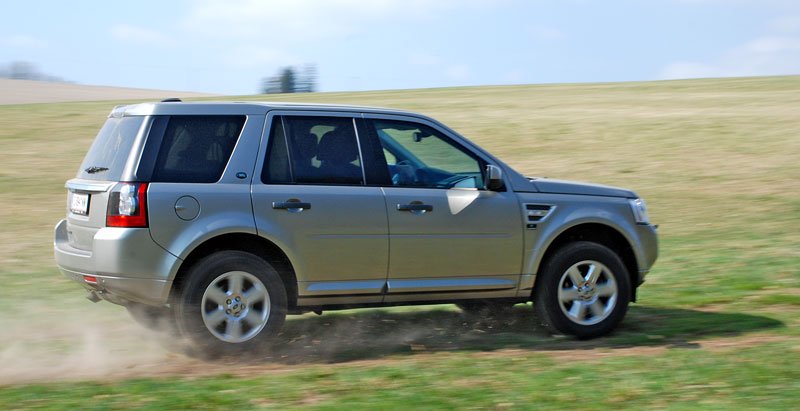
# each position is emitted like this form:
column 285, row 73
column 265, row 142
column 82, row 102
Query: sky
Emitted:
column 229, row 46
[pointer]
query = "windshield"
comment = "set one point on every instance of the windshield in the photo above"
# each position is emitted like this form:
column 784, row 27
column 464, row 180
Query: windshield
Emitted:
column 109, row 152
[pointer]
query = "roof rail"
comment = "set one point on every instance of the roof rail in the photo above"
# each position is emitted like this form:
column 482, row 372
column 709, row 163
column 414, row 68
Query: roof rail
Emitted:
column 171, row 100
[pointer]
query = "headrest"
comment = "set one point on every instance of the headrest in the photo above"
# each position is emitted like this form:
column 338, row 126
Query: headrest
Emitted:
column 338, row 146
column 306, row 145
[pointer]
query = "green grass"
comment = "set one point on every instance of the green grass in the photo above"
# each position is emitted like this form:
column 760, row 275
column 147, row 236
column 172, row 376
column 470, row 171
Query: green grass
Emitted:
column 716, row 326
column 677, row 378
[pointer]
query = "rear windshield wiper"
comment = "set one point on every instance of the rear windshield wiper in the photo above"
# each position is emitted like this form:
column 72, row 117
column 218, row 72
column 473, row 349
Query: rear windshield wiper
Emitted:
column 94, row 169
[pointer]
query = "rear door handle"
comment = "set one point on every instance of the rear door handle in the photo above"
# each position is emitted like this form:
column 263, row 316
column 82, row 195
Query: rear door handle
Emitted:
column 415, row 207
column 291, row 205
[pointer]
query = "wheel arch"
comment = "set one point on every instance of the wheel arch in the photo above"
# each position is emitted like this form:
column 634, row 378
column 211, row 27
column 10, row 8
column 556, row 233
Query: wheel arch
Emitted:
column 246, row 242
column 602, row 234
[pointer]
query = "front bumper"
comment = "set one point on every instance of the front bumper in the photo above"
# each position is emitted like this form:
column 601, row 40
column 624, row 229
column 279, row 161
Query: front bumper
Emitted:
column 128, row 265
column 648, row 248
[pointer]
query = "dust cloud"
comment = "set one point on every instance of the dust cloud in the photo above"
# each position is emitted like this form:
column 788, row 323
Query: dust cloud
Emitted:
column 79, row 348
column 104, row 343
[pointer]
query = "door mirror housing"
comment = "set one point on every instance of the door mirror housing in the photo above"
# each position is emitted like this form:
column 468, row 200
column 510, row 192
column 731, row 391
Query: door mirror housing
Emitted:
column 494, row 178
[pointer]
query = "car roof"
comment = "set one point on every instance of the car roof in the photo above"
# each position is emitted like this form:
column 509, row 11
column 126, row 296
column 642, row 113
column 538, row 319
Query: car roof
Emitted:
column 242, row 108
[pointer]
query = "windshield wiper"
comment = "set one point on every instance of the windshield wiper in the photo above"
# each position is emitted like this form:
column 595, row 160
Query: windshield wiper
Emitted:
column 94, row 169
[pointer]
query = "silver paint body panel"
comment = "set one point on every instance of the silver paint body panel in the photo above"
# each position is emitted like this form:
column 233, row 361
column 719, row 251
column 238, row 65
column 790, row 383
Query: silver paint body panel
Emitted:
column 470, row 241
column 341, row 240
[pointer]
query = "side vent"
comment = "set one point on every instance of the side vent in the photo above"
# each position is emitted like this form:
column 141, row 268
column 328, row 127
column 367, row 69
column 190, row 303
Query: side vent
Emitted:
column 537, row 212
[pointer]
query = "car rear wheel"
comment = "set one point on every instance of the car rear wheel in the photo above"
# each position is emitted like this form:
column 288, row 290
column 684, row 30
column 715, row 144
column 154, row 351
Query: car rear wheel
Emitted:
column 232, row 302
column 583, row 290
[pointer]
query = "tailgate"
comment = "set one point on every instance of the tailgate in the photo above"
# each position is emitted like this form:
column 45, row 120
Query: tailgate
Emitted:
column 87, row 201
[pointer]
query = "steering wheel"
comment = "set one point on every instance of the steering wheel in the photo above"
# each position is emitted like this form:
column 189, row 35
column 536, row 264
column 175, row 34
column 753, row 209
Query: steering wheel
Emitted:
column 404, row 173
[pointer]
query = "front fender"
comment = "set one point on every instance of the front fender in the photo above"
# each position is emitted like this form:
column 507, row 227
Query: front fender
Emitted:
column 571, row 211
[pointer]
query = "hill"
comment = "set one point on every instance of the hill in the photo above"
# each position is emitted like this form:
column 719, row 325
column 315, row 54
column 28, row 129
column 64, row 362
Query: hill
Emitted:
column 717, row 325
column 27, row 92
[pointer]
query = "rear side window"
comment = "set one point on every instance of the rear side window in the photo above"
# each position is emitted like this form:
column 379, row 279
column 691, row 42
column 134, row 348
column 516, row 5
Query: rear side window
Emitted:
column 313, row 150
column 110, row 150
column 196, row 149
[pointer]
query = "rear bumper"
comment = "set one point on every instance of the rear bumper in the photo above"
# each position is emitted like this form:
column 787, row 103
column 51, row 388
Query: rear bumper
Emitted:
column 121, row 290
column 128, row 265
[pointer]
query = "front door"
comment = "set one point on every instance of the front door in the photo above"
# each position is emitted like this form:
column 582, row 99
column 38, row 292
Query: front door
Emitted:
column 449, row 237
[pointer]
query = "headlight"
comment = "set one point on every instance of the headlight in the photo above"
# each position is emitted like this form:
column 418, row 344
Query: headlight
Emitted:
column 639, row 209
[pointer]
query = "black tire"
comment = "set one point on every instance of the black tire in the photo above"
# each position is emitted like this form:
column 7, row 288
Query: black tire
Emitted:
column 584, row 310
column 153, row 318
column 200, row 306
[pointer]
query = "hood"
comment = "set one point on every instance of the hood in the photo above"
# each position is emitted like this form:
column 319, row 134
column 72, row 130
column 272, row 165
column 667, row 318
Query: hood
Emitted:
column 546, row 185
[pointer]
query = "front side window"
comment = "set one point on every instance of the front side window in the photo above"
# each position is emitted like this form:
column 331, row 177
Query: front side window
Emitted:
column 196, row 149
column 419, row 156
column 313, row 150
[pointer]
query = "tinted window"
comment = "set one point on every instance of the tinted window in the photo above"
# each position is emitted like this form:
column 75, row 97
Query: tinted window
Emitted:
column 276, row 168
column 196, row 149
column 419, row 156
column 313, row 150
column 109, row 152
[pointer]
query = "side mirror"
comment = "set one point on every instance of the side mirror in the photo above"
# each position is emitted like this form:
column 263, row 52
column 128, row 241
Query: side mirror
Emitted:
column 494, row 178
column 419, row 135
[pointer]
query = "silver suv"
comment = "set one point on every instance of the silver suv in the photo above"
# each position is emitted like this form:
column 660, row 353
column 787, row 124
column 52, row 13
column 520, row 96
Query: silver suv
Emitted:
column 226, row 217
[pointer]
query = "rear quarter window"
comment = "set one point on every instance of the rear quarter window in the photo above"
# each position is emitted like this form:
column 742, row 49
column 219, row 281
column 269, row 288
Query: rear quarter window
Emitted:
column 111, row 148
column 196, row 149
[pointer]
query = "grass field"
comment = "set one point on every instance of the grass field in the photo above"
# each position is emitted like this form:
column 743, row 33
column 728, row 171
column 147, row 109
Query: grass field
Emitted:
column 716, row 327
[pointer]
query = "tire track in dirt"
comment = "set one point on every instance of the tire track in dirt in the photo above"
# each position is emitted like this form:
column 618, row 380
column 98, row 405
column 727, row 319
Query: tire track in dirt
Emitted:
column 76, row 349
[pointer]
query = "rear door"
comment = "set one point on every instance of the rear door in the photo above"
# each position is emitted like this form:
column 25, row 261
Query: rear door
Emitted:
column 313, row 200
column 449, row 237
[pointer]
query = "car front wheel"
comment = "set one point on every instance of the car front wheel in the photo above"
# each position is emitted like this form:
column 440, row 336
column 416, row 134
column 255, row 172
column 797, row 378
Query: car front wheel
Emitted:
column 583, row 290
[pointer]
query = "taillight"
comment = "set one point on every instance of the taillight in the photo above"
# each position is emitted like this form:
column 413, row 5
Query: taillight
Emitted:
column 127, row 205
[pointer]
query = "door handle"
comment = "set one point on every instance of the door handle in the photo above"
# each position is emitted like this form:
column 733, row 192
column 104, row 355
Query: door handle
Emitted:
column 291, row 205
column 415, row 207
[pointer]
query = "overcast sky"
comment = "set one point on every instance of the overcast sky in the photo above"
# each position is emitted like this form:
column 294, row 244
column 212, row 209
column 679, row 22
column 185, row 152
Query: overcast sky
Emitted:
column 228, row 46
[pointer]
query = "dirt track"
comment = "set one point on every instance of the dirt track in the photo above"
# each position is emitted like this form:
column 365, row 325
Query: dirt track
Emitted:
column 28, row 92
column 87, row 348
